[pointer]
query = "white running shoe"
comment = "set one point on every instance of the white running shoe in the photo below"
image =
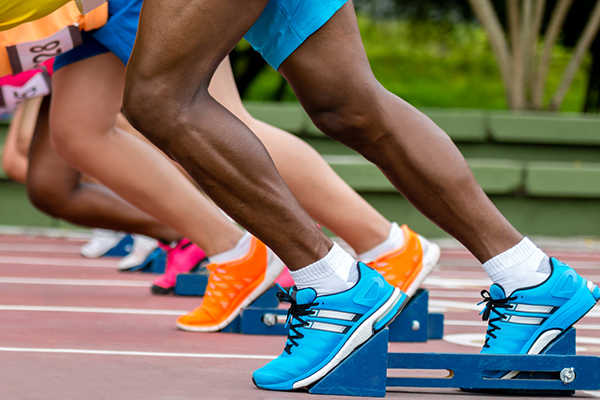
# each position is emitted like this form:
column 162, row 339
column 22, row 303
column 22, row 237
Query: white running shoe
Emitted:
column 142, row 247
column 101, row 242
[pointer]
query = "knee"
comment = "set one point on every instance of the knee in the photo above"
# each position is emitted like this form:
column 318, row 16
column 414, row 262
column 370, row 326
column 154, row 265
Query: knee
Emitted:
column 69, row 140
column 46, row 196
column 355, row 121
column 155, row 109
column 14, row 168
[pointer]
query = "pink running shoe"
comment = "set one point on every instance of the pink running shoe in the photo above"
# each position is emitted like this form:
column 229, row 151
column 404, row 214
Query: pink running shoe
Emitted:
column 182, row 258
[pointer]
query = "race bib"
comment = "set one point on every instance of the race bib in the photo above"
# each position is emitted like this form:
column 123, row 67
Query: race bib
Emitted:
column 85, row 6
column 38, row 85
column 30, row 55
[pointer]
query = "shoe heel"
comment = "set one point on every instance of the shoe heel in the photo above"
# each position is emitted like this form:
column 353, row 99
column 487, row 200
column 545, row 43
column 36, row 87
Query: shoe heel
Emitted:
column 393, row 312
column 594, row 290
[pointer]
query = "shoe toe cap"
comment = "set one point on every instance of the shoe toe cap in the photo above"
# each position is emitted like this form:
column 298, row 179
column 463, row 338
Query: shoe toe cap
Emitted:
column 267, row 377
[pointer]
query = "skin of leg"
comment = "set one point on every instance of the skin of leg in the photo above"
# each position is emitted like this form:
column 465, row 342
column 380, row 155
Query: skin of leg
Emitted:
column 87, row 97
column 312, row 181
column 167, row 100
column 332, row 78
column 31, row 109
column 14, row 163
column 55, row 187
column 125, row 126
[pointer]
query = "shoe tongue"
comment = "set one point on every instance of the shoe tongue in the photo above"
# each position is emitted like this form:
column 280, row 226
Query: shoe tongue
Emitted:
column 304, row 296
column 497, row 292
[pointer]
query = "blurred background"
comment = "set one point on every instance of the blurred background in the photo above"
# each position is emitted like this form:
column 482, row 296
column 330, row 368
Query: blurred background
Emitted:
column 515, row 83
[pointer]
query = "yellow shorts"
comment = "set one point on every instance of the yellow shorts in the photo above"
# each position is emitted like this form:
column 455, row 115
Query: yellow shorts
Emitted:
column 16, row 12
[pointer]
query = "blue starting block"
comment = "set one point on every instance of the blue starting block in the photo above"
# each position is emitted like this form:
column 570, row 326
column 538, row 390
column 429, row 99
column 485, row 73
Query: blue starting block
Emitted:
column 122, row 248
column 155, row 263
column 414, row 324
column 556, row 371
column 192, row 284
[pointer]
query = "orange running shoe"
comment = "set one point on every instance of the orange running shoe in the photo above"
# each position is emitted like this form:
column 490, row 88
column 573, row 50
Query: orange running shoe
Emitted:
column 231, row 287
column 408, row 266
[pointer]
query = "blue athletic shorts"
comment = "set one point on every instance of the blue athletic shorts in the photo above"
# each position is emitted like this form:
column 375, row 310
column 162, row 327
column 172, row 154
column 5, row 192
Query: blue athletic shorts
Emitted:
column 117, row 36
column 285, row 24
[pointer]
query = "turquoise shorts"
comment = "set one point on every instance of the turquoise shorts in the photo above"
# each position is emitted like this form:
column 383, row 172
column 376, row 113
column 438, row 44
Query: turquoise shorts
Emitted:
column 117, row 36
column 285, row 24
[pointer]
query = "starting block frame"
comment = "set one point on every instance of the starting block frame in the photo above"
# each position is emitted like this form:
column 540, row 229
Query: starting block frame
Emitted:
column 556, row 371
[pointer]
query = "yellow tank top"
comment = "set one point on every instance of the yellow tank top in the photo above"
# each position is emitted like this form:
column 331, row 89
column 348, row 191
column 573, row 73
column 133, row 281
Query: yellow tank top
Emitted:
column 56, row 29
column 16, row 12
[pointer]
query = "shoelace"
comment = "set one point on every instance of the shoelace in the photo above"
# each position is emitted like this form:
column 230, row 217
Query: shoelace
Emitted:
column 492, row 305
column 294, row 320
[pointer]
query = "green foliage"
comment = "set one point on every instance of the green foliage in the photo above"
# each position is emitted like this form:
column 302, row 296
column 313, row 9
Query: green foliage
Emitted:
column 434, row 64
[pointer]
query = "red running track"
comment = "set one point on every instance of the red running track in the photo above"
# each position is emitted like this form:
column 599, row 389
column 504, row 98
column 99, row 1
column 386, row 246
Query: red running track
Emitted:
column 73, row 328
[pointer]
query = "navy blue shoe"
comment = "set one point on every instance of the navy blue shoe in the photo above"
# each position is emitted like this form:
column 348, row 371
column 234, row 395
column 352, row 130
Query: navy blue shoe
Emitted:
column 532, row 318
column 324, row 330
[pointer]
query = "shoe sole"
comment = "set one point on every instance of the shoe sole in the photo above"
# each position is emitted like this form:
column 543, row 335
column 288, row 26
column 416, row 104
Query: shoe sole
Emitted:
column 373, row 324
column 161, row 291
column 550, row 331
column 274, row 269
column 134, row 264
column 430, row 260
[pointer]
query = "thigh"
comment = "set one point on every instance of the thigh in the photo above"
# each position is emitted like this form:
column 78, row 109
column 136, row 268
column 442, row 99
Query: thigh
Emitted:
column 86, row 98
column 192, row 39
column 330, row 68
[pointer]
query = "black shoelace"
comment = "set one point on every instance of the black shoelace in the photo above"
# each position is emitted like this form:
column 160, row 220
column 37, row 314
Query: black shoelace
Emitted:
column 492, row 305
column 294, row 320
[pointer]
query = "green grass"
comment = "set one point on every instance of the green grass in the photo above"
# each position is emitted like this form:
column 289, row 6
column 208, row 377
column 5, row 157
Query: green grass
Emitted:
column 436, row 66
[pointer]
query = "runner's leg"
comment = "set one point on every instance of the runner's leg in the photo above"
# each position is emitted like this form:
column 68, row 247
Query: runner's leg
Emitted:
column 54, row 187
column 167, row 100
column 312, row 181
column 335, row 85
column 86, row 100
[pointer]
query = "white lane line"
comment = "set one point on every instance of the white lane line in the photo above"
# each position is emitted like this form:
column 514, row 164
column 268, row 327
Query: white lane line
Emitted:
column 60, row 262
column 449, row 304
column 40, row 248
column 137, row 353
column 101, row 310
column 457, row 283
column 458, row 293
column 74, row 282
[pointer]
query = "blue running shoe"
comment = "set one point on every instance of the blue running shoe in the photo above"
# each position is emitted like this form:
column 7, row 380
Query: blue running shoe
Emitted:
column 324, row 330
column 532, row 318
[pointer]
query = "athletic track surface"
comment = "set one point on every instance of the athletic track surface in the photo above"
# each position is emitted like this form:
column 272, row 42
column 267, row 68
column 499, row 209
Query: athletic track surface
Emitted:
column 75, row 328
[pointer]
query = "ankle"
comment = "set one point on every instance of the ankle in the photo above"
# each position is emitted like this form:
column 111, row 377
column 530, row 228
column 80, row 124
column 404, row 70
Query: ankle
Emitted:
column 334, row 273
column 394, row 240
column 239, row 249
column 523, row 265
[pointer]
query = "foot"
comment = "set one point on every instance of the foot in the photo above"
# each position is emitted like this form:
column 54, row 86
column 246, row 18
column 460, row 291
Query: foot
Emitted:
column 530, row 319
column 324, row 330
column 101, row 242
column 182, row 258
column 231, row 287
column 142, row 247
column 408, row 266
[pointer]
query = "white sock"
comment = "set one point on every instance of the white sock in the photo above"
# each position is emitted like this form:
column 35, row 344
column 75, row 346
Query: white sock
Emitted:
column 394, row 241
column 240, row 250
column 334, row 273
column 521, row 266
